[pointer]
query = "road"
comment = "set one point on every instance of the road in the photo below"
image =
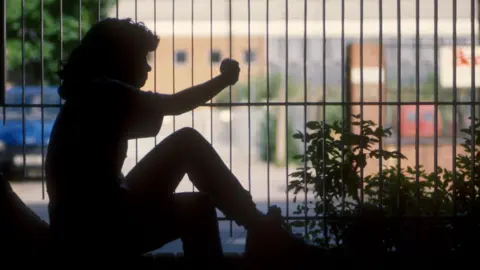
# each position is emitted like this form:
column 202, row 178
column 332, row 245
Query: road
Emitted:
column 266, row 183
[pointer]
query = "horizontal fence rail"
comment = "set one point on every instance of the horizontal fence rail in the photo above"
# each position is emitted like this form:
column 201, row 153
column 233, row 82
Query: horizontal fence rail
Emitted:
column 323, row 68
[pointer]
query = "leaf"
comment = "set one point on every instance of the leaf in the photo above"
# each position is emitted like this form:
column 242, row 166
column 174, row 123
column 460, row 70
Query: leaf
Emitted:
column 298, row 157
column 297, row 223
column 298, row 135
column 313, row 125
column 350, row 139
column 299, row 173
column 361, row 160
column 379, row 132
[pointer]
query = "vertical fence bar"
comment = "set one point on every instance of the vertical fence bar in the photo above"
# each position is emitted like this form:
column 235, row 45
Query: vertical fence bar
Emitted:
column 211, row 69
column 192, row 17
column 24, row 127
column 324, row 110
column 454, row 110
column 42, row 85
column 230, row 44
column 435, row 115
column 249, row 100
column 305, row 100
column 155, row 56
column 3, row 53
column 60, row 57
column 136, row 140
column 472, row 106
column 343, row 103
column 399, row 97
column 361, row 102
column 417, row 101
column 99, row 8
column 380, row 99
column 477, row 38
column 173, row 56
column 192, row 36
column 268, row 100
column 286, row 100
column 79, row 20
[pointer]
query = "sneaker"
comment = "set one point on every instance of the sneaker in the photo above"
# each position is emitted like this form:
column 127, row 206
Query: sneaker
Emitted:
column 274, row 242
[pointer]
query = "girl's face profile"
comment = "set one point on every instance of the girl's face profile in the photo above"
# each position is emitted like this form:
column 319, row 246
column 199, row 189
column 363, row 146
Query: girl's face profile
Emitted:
column 141, row 68
column 135, row 69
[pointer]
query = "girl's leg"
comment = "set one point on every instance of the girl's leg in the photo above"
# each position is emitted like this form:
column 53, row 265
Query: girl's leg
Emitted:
column 158, row 174
column 191, row 217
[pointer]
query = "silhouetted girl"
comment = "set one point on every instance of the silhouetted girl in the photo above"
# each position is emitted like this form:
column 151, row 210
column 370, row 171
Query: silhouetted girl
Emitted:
column 91, row 211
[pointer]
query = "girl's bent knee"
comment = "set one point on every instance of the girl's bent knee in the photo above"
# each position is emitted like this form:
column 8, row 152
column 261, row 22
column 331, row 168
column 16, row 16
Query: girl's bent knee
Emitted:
column 187, row 132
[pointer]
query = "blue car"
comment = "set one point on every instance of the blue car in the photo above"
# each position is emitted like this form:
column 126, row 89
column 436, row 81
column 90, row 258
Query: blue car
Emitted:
column 22, row 154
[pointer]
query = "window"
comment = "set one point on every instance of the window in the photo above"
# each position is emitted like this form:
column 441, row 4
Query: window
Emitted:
column 428, row 117
column 180, row 57
column 215, row 57
column 249, row 57
column 411, row 116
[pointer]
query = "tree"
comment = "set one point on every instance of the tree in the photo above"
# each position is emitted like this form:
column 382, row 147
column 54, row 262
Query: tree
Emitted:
column 57, row 42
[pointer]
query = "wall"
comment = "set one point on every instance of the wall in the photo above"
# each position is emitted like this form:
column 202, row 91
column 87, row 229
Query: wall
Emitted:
column 164, row 73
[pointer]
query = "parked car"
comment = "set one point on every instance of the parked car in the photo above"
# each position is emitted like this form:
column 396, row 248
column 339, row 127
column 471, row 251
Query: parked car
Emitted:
column 22, row 142
column 426, row 121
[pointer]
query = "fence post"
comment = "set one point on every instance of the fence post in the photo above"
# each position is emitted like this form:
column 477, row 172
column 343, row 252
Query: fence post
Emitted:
column 3, row 51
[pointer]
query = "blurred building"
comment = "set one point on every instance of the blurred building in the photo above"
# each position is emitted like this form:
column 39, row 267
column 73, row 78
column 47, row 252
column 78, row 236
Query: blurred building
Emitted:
column 305, row 42
column 191, row 48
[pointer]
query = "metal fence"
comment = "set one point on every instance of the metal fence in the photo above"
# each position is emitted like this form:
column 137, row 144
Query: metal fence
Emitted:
column 307, row 44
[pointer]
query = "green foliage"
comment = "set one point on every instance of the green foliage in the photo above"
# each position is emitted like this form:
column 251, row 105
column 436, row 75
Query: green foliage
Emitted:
column 53, row 37
column 331, row 175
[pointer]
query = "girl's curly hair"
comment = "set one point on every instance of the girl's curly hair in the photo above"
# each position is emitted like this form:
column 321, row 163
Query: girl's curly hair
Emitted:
column 107, row 40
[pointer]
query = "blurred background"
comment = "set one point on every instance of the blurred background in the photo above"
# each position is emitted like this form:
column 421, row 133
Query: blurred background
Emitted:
column 301, row 60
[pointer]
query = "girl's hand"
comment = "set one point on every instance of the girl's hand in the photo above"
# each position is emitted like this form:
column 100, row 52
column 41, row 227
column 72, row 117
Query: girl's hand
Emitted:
column 230, row 69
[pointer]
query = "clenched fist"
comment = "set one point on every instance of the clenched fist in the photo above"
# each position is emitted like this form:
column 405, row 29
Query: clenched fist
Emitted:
column 230, row 69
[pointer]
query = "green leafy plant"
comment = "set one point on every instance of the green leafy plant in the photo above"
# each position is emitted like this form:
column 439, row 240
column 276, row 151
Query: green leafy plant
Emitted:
column 333, row 161
column 380, row 213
